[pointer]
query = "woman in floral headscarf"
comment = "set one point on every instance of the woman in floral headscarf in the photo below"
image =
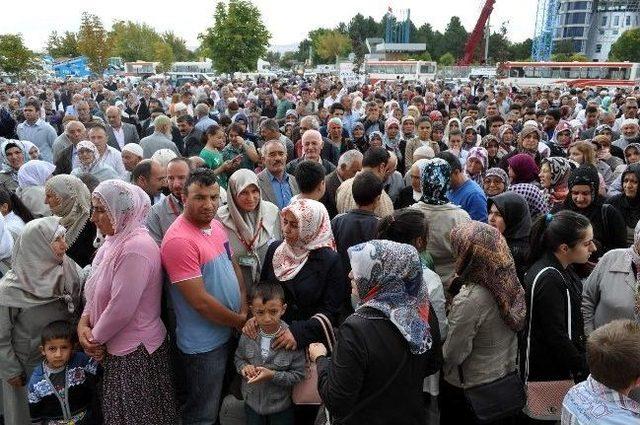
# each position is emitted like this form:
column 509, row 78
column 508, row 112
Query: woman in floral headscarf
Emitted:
column 121, row 322
column 477, row 164
column 441, row 214
column 89, row 164
column 554, row 177
column 392, row 337
column 480, row 348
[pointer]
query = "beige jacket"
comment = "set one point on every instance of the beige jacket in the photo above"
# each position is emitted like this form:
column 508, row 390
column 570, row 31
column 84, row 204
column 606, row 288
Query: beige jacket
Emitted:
column 441, row 219
column 478, row 339
column 345, row 202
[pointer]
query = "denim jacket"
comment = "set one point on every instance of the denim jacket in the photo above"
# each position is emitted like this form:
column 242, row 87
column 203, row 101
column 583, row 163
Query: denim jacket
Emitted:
column 275, row 395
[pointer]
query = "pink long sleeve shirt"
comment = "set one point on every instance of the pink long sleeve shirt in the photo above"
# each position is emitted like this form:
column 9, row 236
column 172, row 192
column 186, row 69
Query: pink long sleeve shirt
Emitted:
column 125, row 308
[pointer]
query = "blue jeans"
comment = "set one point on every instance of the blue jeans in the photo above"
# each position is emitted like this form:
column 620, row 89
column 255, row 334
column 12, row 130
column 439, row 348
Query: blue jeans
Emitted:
column 281, row 418
column 204, row 374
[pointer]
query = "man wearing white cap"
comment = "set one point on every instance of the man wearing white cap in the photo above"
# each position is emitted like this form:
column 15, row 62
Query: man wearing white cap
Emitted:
column 131, row 155
column 629, row 132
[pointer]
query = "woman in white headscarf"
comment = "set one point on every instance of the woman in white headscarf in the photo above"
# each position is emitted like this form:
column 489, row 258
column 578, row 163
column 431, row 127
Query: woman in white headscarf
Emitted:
column 32, row 149
column 89, row 163
column 69, row 199
column 42, row 286
column 31, row 179
column 251, row 223
column 12, row 156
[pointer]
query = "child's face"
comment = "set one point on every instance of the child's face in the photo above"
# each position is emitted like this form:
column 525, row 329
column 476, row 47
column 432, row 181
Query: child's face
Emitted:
column 217, row 139
column 268, row 314
column 57, row 352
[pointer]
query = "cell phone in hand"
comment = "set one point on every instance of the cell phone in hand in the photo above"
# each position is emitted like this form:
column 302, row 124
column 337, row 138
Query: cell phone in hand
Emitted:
column 238, row 158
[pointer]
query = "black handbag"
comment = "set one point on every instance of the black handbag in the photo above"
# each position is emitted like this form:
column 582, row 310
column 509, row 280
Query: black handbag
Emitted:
column 496, row 400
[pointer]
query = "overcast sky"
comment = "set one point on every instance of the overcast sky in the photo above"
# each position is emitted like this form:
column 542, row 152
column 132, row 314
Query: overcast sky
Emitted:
column 289, row 21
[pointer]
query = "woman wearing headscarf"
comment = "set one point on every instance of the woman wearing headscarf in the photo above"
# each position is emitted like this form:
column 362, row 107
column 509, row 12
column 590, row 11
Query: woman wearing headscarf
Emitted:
column 387, row 347
column 392, row 139
column 495, row 181
column 251, row 223
column 562, row 136
column 32, row 177
column 491, row 144
column 42, row 286
column 70, row 200
column 309, row 268
column 609, row 229
column 485, row 317
column 441, row 214
column 12, row 155
column 523, row 169
column 610, row 292
column 88, row 158
column 506, row 136
column 477, row 163
column 452, row 124
column 628, row 202
column 32, row 149
column 360, row 137
column 528, row 140
column 509, row 213
column 471, row 138
column 631, row 156
column 554, row 177
column 121, row 322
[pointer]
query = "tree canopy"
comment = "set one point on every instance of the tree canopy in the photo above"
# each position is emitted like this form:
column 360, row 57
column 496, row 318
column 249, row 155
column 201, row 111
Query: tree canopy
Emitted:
column 93, row 42
column 238, row 37
column 15, row 58
column 626, row 47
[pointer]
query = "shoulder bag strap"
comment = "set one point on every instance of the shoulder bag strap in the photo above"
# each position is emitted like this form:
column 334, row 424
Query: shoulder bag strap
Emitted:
column 327, row 328
column 533, row 288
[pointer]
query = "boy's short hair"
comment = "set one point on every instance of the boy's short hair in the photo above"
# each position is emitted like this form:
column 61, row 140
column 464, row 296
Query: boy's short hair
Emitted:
column 267, row 291
column 60, row 329
column 367, row 186
column 613, row 355
column 309, row 175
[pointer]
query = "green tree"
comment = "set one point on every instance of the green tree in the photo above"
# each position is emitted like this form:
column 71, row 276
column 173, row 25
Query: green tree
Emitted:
column 302, row 54
column 163, row 54
column 178, row 47
column 447, row 59
column 359, row 29
column 314, row 36
column 287, row 60
column 93, row 42
column 562, row 51
column 15, row 58
column 433, row 39
column 238, row 37
column 521, row 51
column 63, row 45
column 134, row 41
column 454, row 37
column 273, row 58
column 626, row 47
column 578, row 57
column 332, row 45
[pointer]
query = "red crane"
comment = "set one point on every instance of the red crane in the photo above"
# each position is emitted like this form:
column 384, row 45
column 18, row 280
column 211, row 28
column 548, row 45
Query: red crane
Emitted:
column 476, row 35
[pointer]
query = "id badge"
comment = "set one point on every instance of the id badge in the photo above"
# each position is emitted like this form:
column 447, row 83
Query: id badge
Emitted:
column 247, row 260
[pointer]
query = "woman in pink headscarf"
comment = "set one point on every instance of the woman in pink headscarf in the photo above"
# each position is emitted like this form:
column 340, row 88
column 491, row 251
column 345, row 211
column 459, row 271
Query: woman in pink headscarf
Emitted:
column 121, row 322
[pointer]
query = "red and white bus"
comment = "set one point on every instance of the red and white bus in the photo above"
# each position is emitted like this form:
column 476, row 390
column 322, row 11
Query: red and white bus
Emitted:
column 570, row 74
column 399, row 70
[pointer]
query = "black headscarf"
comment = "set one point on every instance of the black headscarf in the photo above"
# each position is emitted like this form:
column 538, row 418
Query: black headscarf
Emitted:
column 628, row 207
column 587, row 175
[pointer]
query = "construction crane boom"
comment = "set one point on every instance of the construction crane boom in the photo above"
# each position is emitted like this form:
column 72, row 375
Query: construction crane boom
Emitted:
column 478, row 32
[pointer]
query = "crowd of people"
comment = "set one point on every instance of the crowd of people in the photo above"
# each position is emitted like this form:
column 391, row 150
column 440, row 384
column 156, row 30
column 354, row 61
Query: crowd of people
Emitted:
column 437, row 253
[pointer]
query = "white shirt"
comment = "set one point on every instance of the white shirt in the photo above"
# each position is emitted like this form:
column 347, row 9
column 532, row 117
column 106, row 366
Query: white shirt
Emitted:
column 113, row 158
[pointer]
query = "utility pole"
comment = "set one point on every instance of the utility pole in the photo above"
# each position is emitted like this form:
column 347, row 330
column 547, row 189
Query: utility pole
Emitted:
column 487, row 34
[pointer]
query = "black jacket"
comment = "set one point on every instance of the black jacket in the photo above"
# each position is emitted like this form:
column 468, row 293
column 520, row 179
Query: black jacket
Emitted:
column 64, row 164
column 368, row 353
column 352, row 228
column 319, row 287
column 553, row 356
column 193, row 143
column 82, row 250
column 405, row 198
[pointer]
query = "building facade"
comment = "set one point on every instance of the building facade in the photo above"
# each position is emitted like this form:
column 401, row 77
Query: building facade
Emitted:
column 594, row 25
